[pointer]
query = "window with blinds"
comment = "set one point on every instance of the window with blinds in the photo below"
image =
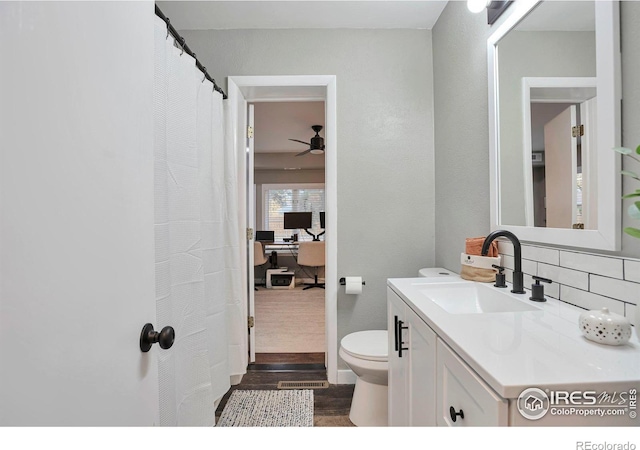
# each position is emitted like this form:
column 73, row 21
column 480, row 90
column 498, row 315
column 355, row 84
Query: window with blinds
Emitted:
column 279, row 199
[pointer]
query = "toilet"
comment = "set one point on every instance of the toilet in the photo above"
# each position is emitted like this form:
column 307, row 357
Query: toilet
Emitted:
column 366, row 354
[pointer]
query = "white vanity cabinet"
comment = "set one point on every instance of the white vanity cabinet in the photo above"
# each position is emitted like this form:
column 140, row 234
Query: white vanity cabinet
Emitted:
column 412, row 370
column 452, row 368
column 464, row 399
column 426, row 378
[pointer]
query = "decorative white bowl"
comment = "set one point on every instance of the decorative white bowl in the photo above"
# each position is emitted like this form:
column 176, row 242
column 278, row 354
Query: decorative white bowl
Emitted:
column 605, row 327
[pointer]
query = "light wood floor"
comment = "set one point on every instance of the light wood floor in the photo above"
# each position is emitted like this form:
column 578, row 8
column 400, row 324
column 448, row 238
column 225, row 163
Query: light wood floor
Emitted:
column 290, row 320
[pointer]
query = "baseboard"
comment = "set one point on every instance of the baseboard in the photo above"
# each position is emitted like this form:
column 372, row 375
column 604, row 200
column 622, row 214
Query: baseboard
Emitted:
column 346, row 376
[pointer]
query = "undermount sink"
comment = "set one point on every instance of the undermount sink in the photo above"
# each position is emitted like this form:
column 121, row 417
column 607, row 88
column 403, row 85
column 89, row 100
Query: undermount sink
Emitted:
column 474, row 298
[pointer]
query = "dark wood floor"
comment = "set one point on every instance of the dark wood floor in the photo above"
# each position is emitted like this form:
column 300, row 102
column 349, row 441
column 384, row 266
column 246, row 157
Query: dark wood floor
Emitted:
column 289, row 358
column 331, row 405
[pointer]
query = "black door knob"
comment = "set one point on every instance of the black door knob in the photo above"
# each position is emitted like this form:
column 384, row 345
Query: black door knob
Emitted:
column 454, row 415
column 149, row 336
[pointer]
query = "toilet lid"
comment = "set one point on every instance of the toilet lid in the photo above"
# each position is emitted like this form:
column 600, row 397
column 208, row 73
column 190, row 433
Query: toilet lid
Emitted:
column 370, row 345
column 429, row 272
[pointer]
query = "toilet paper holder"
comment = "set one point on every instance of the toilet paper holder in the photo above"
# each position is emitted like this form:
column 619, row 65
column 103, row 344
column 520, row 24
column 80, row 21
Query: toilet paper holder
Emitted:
column 343, row 281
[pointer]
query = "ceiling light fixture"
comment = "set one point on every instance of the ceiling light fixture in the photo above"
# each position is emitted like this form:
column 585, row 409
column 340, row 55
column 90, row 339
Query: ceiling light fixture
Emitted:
column 476, row 6
column 494, row 8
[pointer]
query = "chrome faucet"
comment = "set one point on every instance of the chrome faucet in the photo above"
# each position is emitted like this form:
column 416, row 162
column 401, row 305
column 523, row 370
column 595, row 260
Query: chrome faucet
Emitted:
column 518, row 287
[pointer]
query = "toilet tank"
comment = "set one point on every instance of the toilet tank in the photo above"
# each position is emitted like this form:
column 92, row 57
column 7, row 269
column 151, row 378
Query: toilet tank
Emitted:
column 438, row 272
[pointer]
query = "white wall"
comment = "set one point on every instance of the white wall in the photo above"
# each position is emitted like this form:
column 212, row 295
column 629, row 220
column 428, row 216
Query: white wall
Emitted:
column 462, row 158
column 384, row 137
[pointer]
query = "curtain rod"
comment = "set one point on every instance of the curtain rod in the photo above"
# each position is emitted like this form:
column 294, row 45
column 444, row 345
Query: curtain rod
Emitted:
column 183, row 45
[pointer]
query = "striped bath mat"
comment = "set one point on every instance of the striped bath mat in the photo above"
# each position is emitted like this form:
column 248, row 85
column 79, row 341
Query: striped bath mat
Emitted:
column 261, row 408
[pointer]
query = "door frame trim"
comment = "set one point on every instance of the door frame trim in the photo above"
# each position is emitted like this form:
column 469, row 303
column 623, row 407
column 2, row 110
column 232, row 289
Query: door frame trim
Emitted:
column 243, row 89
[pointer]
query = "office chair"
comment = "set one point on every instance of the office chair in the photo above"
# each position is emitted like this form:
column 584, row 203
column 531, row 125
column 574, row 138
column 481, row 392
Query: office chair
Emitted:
column 312, row 254
column 259, row 258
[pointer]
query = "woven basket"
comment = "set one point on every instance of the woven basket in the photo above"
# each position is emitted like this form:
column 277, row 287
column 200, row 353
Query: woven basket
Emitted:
column 478, row 274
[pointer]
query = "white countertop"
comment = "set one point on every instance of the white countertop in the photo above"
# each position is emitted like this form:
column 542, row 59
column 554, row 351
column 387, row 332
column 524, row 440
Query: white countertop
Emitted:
column 513, row 351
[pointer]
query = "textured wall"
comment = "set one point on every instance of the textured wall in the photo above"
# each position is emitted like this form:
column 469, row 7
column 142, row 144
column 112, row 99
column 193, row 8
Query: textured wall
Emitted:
column 461, row 131
column 385, row 142
column 461, row 125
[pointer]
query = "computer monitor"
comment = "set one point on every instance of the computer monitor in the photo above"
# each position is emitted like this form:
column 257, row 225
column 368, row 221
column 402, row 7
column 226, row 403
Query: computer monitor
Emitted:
column 297, row 220
column 265, row 236
column 322, row 219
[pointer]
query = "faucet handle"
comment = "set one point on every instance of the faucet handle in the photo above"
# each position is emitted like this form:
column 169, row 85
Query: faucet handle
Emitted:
column 537, row 289
column 500, row 277
column 538, row 279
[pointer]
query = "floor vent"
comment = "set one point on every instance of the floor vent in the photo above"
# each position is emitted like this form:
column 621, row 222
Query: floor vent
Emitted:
column 303, row 384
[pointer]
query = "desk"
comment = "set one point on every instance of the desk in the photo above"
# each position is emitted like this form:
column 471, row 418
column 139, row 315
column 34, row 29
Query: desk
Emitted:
column 281, row 246
column 280, row 243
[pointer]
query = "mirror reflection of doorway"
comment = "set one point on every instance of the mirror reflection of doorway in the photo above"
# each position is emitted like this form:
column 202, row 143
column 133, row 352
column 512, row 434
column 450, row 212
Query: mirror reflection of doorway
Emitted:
column 561, row 165
column 559, row 137
column 289, row 320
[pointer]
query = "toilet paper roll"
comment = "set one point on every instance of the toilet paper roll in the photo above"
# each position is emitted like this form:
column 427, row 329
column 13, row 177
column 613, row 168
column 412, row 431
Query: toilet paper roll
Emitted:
column 353, row 285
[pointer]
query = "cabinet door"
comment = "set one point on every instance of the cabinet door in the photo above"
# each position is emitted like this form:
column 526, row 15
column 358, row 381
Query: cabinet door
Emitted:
column 459, row 387
column 398, row 411
column 422, row 371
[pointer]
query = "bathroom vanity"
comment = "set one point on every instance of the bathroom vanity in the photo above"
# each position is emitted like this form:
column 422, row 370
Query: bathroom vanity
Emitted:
column 461, row 353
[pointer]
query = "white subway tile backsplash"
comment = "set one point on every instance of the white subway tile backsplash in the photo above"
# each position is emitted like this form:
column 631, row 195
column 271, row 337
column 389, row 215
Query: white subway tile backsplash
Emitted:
column 630, row 313
column 600, row 265
column 624, row 290
column 527, row 281
column 581, row 279
column 588, row 300
column 530, row 267
column 508, row 262
column 505, row 247
column 561, row 275
column 541, row 254
column 508, row 275
column 632, row 270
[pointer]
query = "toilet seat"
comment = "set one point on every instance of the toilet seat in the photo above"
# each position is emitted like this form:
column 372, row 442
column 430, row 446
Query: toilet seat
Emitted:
column 370, row 345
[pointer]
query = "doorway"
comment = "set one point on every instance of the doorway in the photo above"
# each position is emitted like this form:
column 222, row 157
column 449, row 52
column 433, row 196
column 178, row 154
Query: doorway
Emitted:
column 313, row 88
column 289, row 181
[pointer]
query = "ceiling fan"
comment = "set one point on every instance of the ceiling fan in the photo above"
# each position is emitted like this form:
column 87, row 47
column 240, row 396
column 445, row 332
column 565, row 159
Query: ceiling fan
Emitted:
column 317, row 142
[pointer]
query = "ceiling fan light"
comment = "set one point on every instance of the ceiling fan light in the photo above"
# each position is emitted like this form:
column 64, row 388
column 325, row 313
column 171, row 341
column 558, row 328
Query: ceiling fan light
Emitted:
column 317, row 151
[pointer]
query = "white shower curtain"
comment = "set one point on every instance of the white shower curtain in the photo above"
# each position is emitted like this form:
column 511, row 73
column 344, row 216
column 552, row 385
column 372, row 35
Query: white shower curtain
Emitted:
column 196, row 254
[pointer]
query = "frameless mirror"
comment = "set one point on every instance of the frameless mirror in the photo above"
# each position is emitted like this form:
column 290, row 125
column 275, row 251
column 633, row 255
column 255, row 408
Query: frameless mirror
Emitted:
column 554, row 97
